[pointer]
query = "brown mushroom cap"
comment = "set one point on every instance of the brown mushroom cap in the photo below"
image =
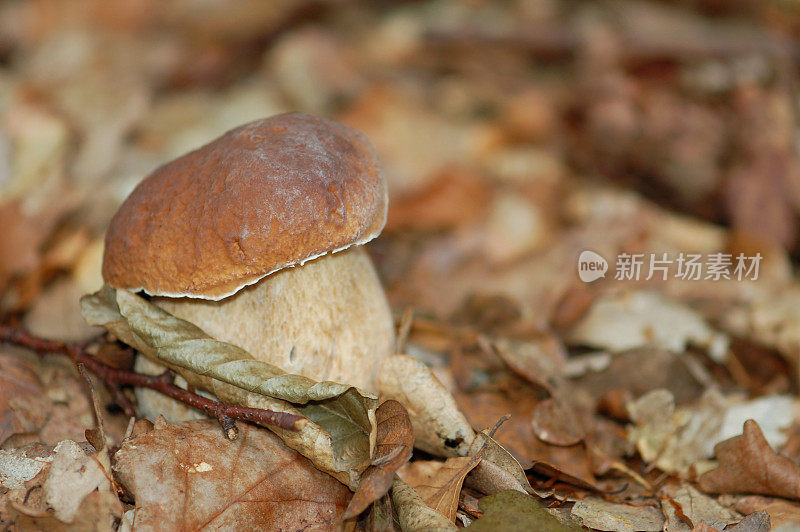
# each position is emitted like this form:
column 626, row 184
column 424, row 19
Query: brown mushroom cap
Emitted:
column 265, row 196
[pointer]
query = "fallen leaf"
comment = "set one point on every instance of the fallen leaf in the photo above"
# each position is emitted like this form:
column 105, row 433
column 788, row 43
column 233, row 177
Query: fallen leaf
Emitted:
column 674, row 439
column 439, row 426
column 629, row 320
column 755, row 522
column 340, row 437
column 517, row 434
column 513, row 511
column 498, row 470
column 747, row 464
column 695, row 507
column 783, row 513
column 412, row 512
column 72, row 492
column 609, row 516
column 557, row 423
column 188, row 476
column 537, row 361
column 452, row 198
column 18, row 466
column 394, row 445
column 439, row 483
column 22, row 408
column 99, row 510
column 381, row 516
column 73, row 475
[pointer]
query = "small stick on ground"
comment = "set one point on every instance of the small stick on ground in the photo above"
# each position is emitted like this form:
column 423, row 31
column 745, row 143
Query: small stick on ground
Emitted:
column 115, row 378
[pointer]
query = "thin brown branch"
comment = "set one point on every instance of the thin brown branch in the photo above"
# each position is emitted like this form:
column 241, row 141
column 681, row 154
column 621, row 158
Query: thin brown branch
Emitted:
column 115, row 378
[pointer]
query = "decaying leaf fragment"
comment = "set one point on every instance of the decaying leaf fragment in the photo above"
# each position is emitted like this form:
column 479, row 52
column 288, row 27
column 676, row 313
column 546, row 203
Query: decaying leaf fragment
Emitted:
column 188, row 476
column 393, row 447
column 341, row 433
column 747, row 464
column 73, row 491
column 675, row 438
column 439, row 426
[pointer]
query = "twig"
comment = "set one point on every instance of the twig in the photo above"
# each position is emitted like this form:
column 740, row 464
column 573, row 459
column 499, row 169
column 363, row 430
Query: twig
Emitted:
column 114, row 378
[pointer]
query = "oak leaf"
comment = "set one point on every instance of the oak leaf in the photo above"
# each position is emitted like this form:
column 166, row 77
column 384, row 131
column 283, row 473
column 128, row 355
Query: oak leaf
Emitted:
column 747, row 464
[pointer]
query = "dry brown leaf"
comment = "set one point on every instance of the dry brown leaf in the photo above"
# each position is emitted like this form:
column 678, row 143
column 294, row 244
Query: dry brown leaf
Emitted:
column 21, row 404
column 393, row 447
column 537, row 361
column 455, row 197
column 557, row 423
column 686, row 502
column 412, row 512
column 783, row 512
column 747, row 464
column 439, row 426
column 188, row 476
column 98, row 511
column 498, row 470
column 517, row 435
column 603, row 515
column 439, row 483
column 755, row 522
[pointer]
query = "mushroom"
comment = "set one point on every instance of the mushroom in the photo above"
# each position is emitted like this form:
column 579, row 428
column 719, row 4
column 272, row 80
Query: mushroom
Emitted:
column 257, row 239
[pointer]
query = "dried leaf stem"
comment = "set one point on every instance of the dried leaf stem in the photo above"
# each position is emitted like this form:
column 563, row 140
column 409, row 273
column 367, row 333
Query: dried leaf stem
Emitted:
column 115, row 378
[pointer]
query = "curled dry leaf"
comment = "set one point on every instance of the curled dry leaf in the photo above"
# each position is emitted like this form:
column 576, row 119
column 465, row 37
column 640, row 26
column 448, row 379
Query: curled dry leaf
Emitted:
column 439, row 483
column 341, row 433
column 188, row 476
column 747, row 464
column 412, row 512
column 393, row 447
column 498, row 470
column 439, row 426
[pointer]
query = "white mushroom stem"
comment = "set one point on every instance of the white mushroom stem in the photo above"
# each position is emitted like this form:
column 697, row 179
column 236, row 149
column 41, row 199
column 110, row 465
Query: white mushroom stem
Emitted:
column 327, row 320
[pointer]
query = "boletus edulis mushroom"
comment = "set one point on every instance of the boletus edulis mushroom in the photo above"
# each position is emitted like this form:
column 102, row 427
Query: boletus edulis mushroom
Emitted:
column 256, row 238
